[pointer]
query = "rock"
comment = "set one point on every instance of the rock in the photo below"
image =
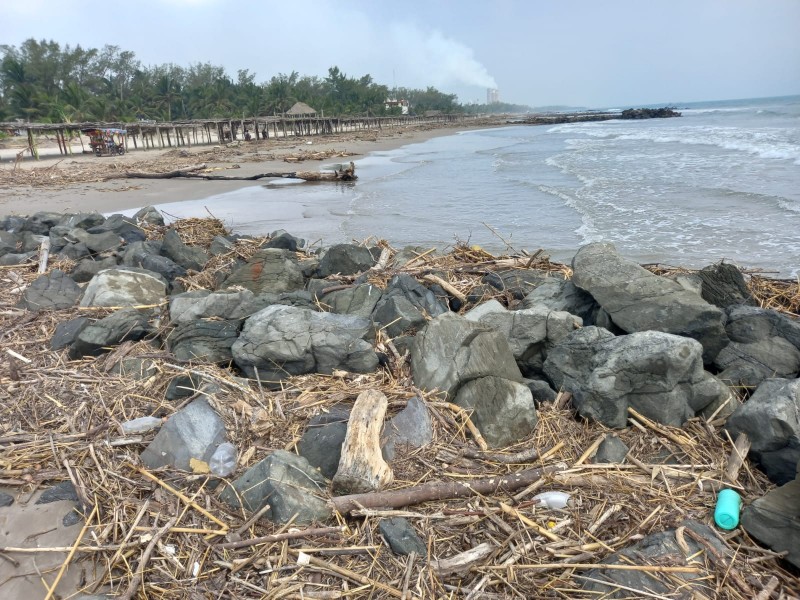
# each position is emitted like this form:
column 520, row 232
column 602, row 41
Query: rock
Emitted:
column 269, row 270
column 611, row 450
column 194, row 432
column 183, row 386
column 284, row 241
column 401, row 537
column 188, row 257
column 202, row 304
column 75, row 251
column 124, row 287
column 220, row 245
column 8, row 242
column 406, row 304
column 73, row 517
column 6, row 499
column 82, row 220
column 724, row 285
column 408, row 254
column 764, row 344
column 774, row 519
column 345, row 259
column 359, row 301
column 95, row 242
column 502, row 410
column 530, row 332
column 12, row 258
column 451, row 351
column 540, row 390
column 637, row 300
column 659, row 374
column 287, row 483
column 12, row 223
column 61, row 491
column 155, row 263
column 298, row 299
column 40, row 223
column 656, row 548
column 321, row 446
column 54, row 291
column 771, row 419
column 150, row 216
column 563, row 295
column 516, row 283
column 204, row 341
column 121, row 326
column 89, row 267
column 124, row 227
column 411, row 427
column 67, row 332
column 133, row 367
column 31, row 241
column 279, row 341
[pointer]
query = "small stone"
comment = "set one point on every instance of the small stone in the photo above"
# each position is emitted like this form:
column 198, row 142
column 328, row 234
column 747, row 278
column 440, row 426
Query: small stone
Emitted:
column 401, row 537
column 6, row 499
column 611, row 450
column 73, row 517
column 62, row 491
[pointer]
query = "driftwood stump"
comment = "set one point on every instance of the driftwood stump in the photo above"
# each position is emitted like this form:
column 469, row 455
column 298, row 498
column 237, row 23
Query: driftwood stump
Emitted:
column 361, row 466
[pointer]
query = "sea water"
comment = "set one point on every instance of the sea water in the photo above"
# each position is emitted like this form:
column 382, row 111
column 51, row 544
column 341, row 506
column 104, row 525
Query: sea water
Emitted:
column 720, row 182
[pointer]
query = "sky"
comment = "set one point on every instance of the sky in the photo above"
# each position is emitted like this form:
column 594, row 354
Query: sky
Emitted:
column 590, row 53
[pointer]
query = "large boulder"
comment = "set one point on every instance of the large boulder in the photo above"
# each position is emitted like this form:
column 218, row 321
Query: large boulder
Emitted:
column 95, row 242
column 359, row 301
column 502, row 410
column 406, row 304
column 202, row 304
column 51, row 292
column 207, row 341
column 146, row 255
column 764, row 344
column 40, row 223
column 410, row 427
column 515, row 283
column 271, row 270
column 659, row 374
column 771, row 419
column 124, row 287
column 280, row 341
column 530, row 332
column 321, row 444
column 345, row 259
column 124, row 325
column 124, row 227
column 150, row 216
column 637, row 300
column 450, row 351
column 287, row 483
column 89, row 267
column 563, row 295
column 189, row 257
column 82, row 220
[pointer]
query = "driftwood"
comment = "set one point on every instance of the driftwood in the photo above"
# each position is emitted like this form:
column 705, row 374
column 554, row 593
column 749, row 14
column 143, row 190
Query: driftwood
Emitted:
column 361, row 466
column 442, row 490
column 194, row 172
column 460, row 564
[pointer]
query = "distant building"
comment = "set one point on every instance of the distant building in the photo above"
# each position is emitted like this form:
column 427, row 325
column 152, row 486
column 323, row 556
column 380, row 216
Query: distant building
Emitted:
column 403, row 104
column 301, row 109
column 492, row 96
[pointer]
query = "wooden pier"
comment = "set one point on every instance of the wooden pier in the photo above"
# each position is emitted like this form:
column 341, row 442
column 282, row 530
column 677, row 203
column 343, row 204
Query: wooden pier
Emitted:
column 148, row 135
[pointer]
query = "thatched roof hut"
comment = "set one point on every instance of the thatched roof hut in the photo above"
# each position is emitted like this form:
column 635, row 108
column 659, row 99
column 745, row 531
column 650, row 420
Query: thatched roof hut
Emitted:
column 301, row 109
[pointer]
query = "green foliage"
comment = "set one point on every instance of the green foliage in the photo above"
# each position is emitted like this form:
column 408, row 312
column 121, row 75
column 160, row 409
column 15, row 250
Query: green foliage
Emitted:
column 41, row 81
column 496, row 108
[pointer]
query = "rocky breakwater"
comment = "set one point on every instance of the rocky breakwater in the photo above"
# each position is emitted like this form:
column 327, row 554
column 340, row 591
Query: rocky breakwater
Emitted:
column 299, row 385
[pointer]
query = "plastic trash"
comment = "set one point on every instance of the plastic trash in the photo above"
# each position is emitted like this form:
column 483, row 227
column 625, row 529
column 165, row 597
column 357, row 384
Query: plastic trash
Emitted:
column 552, row 499
column 726, row 514
column 223, row 462
column 141, row 425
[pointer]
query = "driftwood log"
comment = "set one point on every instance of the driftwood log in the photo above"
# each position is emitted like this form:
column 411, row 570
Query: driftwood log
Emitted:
column 195, row 172
column 442, row 490
column 361, row 466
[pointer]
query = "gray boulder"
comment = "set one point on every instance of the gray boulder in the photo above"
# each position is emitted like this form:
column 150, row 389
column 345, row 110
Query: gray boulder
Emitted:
column 345, row 259
column 125, row 286
column 124, row 227
column 321, row 445
column 95, row 242
column 298, row 299
column 75, row 251
column 124, row 325
column 82, row 220
column 221, row 245
column 40, row 223
column 8, row 242
column 204, row 341
column 516, row 283
column 145, row 255
column 54, row 291
column 202, row 304
column 450, row 351
column 150, row 216
column 16, row 258
column 188, row 257
column 67, row 332
column 359, row 301
column 284, row 241
column 406, row 304
column 530, row 332
column 611, row 450
column 31, row 241
column 287, row 483
column 271, row 270
column 280, row 341
column 194, row 432
column 563, row 295
column 771, row 419
column 656, row 548
column 764, row 344
column 637, row 300
column 502, row 410
column 410, row 427
column 659, row 374
column 401, row 537
column 89, row 267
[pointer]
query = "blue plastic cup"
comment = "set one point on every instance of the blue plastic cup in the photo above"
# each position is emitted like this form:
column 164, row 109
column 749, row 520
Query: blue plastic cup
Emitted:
column 726, row 514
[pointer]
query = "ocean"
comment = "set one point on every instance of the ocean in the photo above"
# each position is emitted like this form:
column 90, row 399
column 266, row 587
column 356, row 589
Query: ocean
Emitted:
column 720, row 182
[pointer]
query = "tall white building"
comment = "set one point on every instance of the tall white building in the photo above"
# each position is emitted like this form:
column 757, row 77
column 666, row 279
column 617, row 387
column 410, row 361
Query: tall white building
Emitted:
column 492, row 96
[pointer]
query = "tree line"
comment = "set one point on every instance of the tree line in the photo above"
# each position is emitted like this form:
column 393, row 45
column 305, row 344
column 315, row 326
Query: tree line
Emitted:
column 42, row 81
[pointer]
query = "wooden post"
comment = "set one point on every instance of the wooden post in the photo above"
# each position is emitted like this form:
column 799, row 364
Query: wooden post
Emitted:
column 32, row 144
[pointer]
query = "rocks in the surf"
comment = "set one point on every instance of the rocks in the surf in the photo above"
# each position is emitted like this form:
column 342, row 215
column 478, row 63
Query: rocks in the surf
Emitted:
column 124, row 286
column 345, row 259
column 771, row 419
column 191, row 434
column 658, row 374
column 530, row 332
column 53, row 291
column 202, row 340
column 406, row 304
column 764, row 343
column 188, row 257
column 128, row 324
column 637, row 300
column 293, row 489
column 280, row 341
column 272, row 270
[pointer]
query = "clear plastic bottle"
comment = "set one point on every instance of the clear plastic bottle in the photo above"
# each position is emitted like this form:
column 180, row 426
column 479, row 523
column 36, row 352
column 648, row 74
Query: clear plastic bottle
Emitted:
column 553, row 499
column 223, row 462
column 141, row 425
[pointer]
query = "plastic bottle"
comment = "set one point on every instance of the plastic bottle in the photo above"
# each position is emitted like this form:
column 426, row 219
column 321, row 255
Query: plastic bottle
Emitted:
column 141, row 425
column 726, row 514
column 552, row 499
column 223, row 462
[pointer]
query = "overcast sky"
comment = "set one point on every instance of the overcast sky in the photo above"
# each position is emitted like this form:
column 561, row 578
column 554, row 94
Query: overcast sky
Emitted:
column 537, row 52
